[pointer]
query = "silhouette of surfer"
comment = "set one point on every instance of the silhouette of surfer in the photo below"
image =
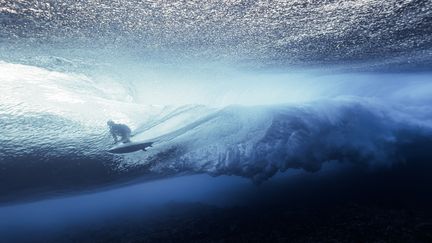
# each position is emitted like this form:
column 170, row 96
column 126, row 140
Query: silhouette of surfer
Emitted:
column 119, row 130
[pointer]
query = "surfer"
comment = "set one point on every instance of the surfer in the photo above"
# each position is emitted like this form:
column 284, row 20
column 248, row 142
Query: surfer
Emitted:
column 119, row 130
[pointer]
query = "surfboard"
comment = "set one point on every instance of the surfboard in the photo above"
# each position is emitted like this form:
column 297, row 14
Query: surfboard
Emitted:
column 130, row 147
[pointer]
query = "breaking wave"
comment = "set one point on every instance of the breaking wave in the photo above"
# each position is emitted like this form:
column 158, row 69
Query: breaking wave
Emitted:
column 54, row 135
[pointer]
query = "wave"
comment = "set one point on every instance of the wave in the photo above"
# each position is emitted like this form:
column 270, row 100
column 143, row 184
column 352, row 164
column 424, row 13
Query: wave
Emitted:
column 54, row 138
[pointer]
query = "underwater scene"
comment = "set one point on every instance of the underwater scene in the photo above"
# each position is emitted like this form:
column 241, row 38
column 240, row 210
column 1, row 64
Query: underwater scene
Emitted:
column 215, row 121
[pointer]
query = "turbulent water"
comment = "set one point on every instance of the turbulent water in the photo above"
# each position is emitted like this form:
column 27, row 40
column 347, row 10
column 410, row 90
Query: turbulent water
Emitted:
column 245, row 88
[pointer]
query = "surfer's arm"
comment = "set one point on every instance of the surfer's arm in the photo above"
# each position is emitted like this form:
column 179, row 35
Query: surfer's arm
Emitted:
column 115, row 138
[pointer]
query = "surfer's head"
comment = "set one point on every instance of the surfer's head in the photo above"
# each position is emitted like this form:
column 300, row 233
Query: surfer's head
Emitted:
column 110, row 123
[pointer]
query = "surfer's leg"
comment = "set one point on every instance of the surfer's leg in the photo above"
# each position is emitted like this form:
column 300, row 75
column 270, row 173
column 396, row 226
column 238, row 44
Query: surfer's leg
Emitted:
column 125, row 139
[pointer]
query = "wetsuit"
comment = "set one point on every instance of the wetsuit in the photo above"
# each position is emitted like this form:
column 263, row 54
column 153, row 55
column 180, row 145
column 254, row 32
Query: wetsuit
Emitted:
column 120, row 130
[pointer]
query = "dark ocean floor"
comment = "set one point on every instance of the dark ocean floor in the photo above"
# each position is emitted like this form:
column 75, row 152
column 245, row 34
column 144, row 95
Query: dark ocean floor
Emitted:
column 386, row 206
column 347, row 205
column 203, row 223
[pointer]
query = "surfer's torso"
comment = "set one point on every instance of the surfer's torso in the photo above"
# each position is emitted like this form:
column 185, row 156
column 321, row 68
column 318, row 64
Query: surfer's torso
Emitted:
column 120, row 130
